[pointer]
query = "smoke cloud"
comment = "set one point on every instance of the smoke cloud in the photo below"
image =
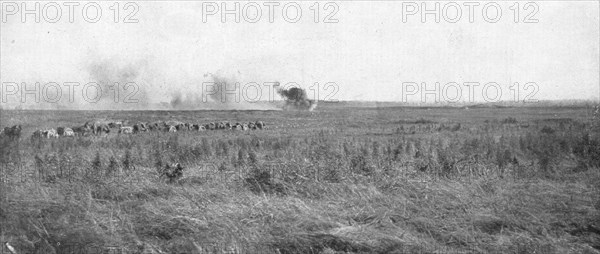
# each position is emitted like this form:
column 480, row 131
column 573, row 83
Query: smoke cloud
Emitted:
column 129, row 79
column 225, row 94
column 139, row 83
column 296, row 99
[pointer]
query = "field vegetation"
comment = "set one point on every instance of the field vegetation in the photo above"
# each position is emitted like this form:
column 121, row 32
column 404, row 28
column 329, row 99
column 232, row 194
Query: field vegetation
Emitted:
column 335, row 180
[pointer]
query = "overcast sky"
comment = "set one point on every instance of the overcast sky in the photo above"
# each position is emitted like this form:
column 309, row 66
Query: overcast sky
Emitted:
column 368, row 53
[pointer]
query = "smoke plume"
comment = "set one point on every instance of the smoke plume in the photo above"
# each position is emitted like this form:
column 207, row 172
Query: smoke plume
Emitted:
column 296, row 99
column 225, row 94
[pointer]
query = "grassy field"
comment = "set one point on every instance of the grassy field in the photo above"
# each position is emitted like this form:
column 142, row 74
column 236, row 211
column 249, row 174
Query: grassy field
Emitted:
column 336, row 180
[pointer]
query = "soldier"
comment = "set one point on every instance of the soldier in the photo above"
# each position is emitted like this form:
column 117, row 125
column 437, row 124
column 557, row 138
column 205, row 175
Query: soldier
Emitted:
column 211, row 126
column 139, row 127
column 68, row 132
column 51, row 133
column 260, row 125
column 101, row 128
column 13, row 132
column 126, row 130
column 82, row 130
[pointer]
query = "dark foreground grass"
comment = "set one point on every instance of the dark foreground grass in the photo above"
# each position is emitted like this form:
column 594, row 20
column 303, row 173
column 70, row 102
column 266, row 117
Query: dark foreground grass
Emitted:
column 418, row 185
column 487, row 215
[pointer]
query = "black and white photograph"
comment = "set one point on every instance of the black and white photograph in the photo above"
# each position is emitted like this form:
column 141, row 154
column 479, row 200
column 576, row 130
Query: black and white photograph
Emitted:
column 299, row 127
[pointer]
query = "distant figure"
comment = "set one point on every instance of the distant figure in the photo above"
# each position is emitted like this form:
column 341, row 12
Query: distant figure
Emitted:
column 51, row 133
column 126, row 130
column 38, row 134
column 13, row 132
column 117, row 124
column 81, row 130
column 154, row 126
column 68, row 132
column 90, row 125
column 211, row 126
column 238, row 127
column 139, row 127
column 101, row 128
column 60, row 130
column 260, row 125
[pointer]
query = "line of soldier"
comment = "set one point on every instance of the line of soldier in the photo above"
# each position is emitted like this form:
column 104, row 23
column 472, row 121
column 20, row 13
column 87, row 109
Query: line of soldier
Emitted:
column 97, row 128
column 174, row 126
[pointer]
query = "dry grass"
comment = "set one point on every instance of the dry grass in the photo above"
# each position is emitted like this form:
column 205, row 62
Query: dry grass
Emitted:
column 363, row 188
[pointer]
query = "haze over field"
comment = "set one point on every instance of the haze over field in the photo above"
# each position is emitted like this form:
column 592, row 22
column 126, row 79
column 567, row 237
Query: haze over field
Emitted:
column 367, row 54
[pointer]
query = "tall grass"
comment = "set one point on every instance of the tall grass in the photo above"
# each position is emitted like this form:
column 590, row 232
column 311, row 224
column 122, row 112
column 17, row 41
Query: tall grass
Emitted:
column 415, row 186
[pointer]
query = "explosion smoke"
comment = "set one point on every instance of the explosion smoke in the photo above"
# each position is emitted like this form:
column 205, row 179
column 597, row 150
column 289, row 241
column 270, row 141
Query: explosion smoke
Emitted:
column 220, row 94
column 221, row 83
column 109, row 72
column 296, row 99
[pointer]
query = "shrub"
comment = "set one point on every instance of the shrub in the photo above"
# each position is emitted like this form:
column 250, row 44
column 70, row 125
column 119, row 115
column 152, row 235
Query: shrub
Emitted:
column 547, row 154
column 40, row 165
column 503, row 158
column 158, row 164
column 547, row 130
column 252, row 158
column 510, row 120
column 359, row 165
column 96, row 162
column 112, row 166
column 261, row 181
column 241, row 157
column 587, row 151
column 423, row 121
column 447, row 164
column 222, row 167
column 127, row 163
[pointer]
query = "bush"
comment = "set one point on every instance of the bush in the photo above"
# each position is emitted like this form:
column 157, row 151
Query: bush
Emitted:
column 510, row 120
column 96, row 162
column 360, row 165
column 127, row 163
column 587, row 151
column 547, row 130
column 260, row 181
column 112, row 166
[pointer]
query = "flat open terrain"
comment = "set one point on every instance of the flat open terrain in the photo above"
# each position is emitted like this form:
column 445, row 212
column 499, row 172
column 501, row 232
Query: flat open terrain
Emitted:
column 336, row 180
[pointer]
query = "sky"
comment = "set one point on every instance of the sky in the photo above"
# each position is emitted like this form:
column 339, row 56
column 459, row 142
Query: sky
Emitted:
column 368, row 50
